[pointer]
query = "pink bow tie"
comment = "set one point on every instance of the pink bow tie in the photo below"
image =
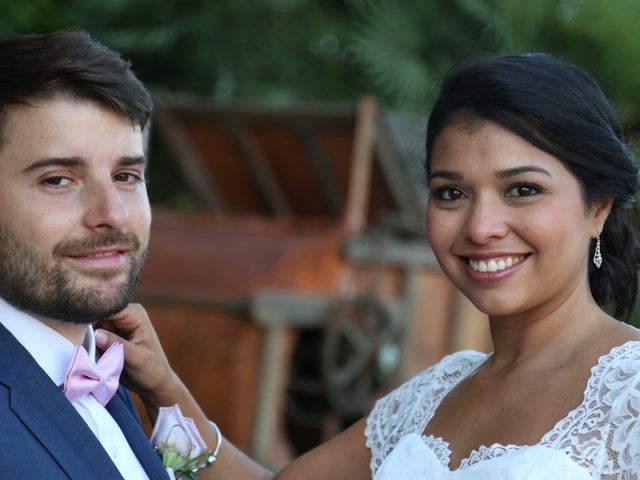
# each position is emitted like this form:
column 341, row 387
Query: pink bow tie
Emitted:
column 101, row 379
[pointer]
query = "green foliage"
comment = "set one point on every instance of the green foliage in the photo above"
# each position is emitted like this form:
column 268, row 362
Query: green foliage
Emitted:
column 408, row 46
column 282, row 51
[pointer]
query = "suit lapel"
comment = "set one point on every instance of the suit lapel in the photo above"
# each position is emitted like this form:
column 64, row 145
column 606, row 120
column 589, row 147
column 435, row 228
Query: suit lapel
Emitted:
column 44, row 410
column 121, row 411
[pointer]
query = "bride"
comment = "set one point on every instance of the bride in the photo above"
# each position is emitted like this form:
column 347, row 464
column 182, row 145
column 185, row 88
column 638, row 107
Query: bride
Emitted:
column 528, row 178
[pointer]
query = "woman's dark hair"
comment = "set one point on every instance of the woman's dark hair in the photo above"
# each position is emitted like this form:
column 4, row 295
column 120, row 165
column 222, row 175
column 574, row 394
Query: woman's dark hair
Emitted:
column 36, row 67
column 560, row 109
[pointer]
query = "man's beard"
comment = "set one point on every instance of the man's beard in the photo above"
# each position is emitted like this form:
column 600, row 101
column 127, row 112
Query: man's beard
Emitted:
column 46, row 288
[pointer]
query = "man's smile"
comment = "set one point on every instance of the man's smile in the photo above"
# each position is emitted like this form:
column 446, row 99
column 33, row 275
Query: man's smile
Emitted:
column 103, row 257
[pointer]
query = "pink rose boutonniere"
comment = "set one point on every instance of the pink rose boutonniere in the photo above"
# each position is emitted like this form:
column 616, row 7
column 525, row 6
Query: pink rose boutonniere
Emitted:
column 179, row 444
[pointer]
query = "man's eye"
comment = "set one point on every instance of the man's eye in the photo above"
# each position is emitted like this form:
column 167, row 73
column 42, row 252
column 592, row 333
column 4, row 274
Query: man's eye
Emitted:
column 448, row 194
column 57, row 181
column 127, row 177
column 523, row 190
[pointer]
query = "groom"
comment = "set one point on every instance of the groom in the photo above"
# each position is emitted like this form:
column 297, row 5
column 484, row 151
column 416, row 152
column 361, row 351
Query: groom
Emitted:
column 74, row 230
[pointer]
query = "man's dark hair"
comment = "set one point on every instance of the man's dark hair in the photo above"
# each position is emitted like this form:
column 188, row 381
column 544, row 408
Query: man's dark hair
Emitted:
column 72, row 64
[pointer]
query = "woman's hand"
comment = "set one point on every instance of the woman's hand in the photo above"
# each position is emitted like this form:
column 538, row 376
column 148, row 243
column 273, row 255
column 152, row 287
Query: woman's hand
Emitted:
column 146, row 370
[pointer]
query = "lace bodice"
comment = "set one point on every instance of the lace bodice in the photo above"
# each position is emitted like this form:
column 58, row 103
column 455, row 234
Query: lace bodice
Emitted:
column 601, row 435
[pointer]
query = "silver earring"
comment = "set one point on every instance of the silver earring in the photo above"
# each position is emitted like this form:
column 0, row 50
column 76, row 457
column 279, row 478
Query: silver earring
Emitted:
column 597, row 254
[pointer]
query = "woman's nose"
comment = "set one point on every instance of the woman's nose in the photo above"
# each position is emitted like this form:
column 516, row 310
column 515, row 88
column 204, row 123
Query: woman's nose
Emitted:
column 487, row 221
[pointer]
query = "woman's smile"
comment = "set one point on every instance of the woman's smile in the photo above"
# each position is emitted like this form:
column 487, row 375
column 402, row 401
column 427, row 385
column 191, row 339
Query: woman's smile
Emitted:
column 493, row 267
column 506, row 220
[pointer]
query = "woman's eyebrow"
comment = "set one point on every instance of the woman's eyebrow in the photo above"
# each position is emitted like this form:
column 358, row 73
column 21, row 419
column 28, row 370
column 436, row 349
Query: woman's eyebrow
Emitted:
column 447, row 175
column 512, row 172
column 509, row 172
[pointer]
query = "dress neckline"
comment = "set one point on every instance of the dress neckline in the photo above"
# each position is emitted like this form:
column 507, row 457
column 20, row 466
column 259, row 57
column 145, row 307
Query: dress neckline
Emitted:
column 442, row 448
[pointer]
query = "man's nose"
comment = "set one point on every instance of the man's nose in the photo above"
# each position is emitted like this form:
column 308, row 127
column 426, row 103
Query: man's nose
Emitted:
column 105, row 207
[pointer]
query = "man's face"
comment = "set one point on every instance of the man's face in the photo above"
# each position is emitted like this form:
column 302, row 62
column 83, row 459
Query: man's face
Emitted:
column 74, row 212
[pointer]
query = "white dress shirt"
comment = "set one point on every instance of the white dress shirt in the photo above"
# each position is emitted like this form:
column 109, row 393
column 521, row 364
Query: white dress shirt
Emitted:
column 53, row 352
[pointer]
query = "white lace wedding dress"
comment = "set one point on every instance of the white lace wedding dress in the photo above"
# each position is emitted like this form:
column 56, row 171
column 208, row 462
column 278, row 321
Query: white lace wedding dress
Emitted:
column 599, row 439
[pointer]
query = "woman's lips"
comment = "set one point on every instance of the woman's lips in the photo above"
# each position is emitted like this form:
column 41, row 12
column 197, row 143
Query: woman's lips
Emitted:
column 494, row 264
column 492, row 268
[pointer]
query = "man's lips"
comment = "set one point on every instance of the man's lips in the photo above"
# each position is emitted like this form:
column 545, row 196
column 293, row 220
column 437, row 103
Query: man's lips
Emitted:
column 101, row 257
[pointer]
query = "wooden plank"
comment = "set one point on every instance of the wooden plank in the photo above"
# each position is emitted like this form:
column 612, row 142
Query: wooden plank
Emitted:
column 217, row 355
column 390, row 163
column 355, row 215
column 278, row 311
column 191, row 107
column 400, row 253
column 265, row 178
column 319, row 161
column 201, row 181
column 274, row 308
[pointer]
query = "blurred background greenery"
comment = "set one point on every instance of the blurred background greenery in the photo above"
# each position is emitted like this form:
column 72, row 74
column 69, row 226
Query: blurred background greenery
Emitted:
column 283, row 51
column 289, row 51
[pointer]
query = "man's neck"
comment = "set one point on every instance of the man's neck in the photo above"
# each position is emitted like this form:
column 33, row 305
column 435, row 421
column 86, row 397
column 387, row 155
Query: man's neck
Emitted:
column 73, row 332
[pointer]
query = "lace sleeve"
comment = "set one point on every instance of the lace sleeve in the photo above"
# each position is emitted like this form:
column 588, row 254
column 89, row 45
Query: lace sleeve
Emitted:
column 408, row 408
column 623, row 439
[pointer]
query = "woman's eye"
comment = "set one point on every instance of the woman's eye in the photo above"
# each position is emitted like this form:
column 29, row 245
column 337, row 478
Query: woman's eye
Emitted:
column 523, row 190
column 57, row 181
column 448, row 194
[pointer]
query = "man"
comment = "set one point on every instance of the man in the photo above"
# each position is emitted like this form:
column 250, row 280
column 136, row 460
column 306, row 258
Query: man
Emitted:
column 74, row 230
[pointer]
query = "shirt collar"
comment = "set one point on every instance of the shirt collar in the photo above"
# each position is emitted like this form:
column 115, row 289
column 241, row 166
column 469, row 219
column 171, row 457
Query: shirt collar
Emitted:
column 51, row 350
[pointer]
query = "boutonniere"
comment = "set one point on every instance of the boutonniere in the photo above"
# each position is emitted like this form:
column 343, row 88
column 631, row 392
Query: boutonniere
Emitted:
column 179, row 444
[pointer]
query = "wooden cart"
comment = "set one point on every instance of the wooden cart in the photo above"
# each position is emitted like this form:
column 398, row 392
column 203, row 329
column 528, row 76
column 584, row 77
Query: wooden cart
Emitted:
column 305, row 288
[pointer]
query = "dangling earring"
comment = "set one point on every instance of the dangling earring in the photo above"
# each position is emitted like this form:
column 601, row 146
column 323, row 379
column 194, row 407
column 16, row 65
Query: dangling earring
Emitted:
column 597, row 254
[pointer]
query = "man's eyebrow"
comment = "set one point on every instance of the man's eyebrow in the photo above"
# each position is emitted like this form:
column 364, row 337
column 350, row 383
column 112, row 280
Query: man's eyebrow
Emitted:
column 70, row 162
column 130, row 161
column 54, row 162
column 512, row 172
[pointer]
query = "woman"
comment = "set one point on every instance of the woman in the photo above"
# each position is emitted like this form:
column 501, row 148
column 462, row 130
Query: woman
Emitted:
column 528, row 178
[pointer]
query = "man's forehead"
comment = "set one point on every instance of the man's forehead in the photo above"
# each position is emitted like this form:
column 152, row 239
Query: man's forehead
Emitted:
column 61, row 128
column 57, row 99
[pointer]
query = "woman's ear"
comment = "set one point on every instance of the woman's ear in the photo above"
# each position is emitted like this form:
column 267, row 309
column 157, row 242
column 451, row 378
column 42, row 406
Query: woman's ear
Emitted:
column 600, row 210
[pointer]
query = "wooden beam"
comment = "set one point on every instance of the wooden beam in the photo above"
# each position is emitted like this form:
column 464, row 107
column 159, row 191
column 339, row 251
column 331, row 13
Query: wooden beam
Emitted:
column 317, row 157
column 357, row 206
column 409, row 254
column 395, row 175
column 259, row 165
column 193, row 107
column 189, row 160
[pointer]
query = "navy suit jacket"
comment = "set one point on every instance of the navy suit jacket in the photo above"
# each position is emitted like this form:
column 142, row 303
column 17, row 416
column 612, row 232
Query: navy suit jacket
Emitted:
column 42, row 436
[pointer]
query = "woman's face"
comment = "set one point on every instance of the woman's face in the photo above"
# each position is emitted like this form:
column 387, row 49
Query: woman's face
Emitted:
column 507, row 221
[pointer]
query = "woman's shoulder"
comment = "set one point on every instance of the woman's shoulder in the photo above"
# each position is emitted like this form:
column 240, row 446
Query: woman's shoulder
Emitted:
column 621, row 358
column 618, row 372
column 458, row 363
column 408, row 408
column 613, row 397
column 440, row 376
